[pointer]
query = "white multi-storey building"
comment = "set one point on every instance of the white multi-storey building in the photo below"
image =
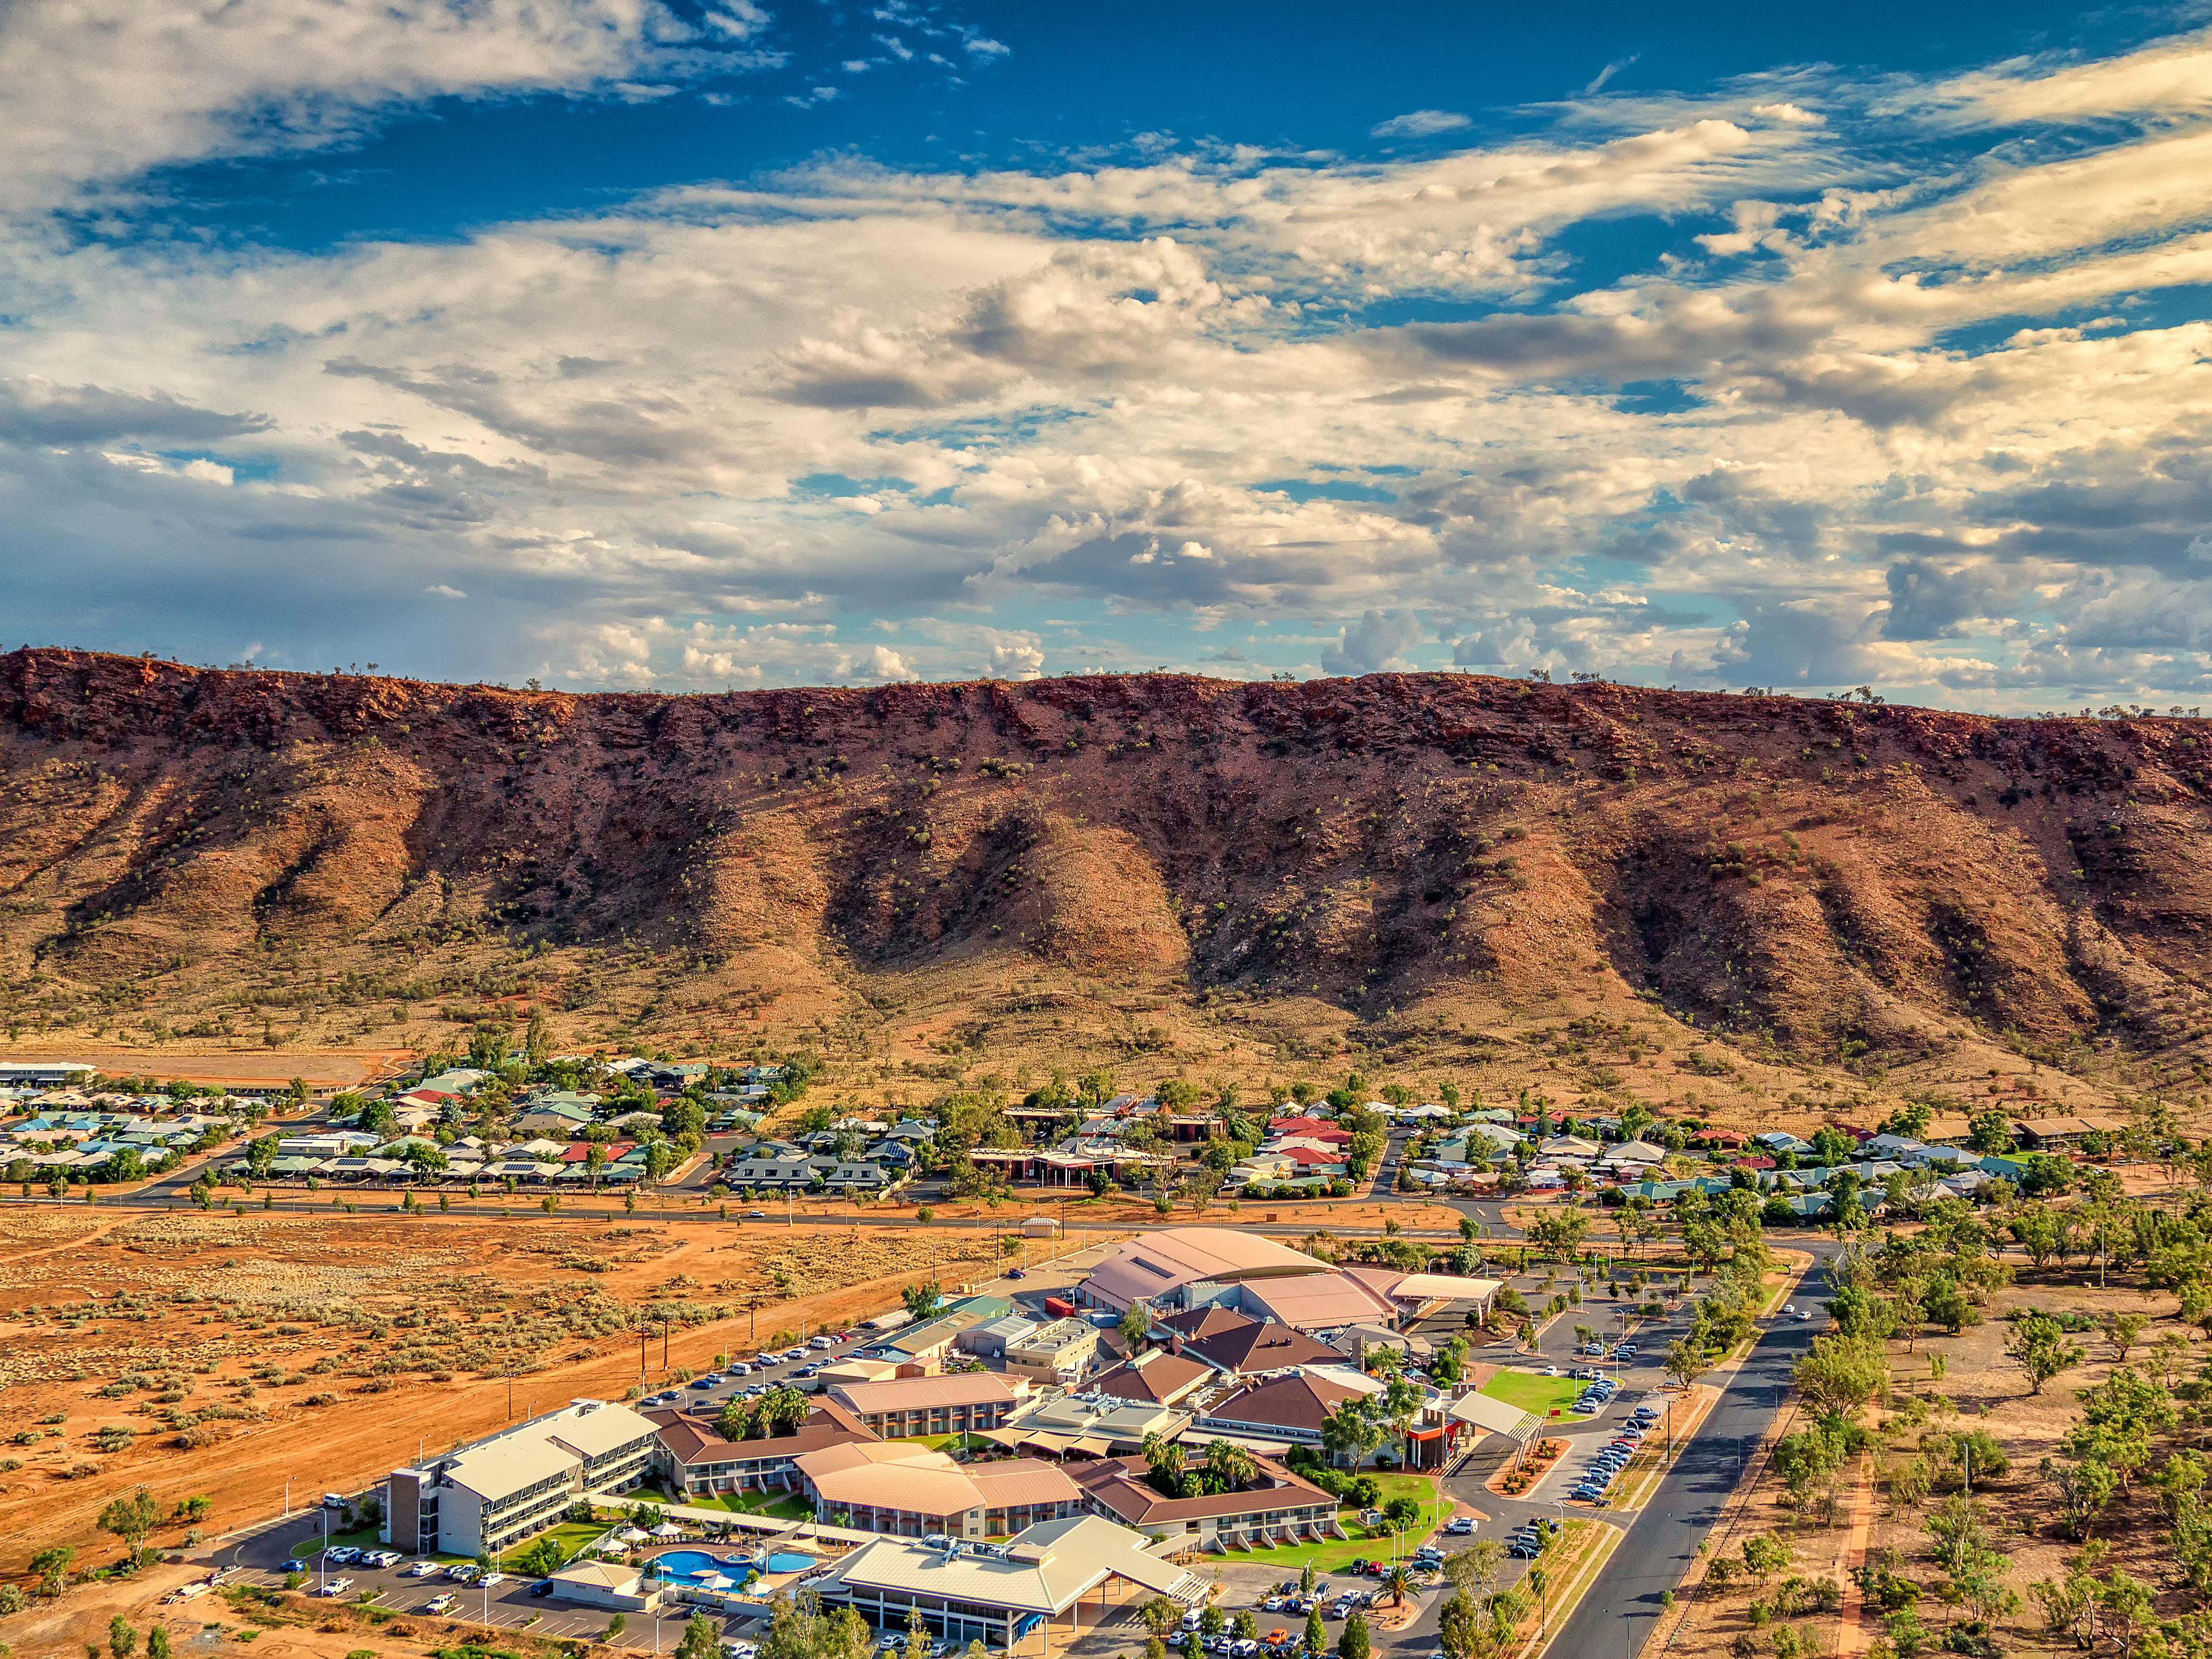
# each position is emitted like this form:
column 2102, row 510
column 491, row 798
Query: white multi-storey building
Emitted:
column 482, row 1498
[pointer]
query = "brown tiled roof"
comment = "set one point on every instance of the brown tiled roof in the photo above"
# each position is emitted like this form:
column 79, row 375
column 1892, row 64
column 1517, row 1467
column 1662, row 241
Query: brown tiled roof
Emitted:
column 1298, row 1401
column 1161, row 1378
column 1255, row 1346
column 692, row 1439
column 1119, row 1483
column 1205, row 1322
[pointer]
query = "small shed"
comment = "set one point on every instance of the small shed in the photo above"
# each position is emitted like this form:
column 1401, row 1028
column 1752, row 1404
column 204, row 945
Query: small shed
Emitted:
column 1040, row 1226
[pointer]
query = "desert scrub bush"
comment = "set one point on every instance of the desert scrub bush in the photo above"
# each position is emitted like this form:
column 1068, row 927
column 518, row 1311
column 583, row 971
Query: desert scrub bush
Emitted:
column 320, row 1400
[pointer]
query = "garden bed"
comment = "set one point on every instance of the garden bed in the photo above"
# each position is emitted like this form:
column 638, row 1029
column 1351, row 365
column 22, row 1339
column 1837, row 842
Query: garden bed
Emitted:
column 1514, row 1479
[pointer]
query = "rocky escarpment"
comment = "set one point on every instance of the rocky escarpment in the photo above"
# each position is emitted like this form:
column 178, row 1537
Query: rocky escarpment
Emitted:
column 1842, row 877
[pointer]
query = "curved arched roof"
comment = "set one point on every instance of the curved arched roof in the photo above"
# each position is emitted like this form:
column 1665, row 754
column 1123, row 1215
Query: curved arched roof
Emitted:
column 1155, row 1263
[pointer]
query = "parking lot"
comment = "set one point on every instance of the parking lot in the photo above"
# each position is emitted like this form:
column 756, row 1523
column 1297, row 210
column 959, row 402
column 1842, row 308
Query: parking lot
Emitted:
column 752, row 1375
column 503, row 1600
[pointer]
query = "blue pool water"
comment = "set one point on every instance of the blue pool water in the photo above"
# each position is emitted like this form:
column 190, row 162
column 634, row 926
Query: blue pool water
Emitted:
column 697, row 1563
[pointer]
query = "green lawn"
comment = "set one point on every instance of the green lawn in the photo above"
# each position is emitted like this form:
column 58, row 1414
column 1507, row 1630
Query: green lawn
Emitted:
column 947, row 1443
column 1339, row 1552
column 570, row 1535
column 361, row 1538
column 1534, row 1393
column 777, row 1506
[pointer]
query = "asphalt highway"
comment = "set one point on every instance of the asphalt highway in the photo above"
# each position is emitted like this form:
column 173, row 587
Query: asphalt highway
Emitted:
column 1616, row 1616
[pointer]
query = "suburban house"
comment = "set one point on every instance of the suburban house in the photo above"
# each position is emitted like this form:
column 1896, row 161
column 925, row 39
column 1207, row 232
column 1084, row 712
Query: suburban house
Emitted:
column 2047, row 1133
column 1280, row 1509
column 971, row 1403
column 914, row 1493
column 490, row 1496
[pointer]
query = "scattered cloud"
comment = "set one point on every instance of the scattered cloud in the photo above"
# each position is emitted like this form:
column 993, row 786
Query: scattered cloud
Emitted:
column 1939, row 429
column 1596, row 83
column 1377, row 641
column 1419, row 124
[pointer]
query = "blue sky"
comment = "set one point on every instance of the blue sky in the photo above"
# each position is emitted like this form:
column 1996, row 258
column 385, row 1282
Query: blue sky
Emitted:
column 614, row 343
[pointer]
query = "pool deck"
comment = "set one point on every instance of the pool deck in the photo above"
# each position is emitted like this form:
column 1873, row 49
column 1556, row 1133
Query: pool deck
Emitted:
column 764, row 1526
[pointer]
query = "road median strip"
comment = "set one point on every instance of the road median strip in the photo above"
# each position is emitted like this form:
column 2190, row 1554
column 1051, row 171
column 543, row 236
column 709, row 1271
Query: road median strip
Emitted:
column 1596, row 1549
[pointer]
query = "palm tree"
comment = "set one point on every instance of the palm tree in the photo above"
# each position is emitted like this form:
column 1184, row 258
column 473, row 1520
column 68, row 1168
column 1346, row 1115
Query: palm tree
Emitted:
column 1164, row 1461
column 783, row 1409
column 1397, row 1580
column 1230, row 1465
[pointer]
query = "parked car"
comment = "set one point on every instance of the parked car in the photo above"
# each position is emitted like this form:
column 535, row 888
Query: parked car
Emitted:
column 295, row 1565
column 1459, row 1526
column 1016, row 1272
column 334, row 1587
column 542, row 1587
column 339, row 1555
column 423, row 1570
column 490, row 1580
column 741, row 1368
column 438, row 1603
column 822, row 1342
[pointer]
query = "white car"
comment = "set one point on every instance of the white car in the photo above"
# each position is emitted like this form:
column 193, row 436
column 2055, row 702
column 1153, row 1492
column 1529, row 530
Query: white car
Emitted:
column 335, row 1587
column 740, row 1369
column 423, row 1570
column 491, row 1580
column 381, row 1558
column 1802, row 1313
column 438, row 1603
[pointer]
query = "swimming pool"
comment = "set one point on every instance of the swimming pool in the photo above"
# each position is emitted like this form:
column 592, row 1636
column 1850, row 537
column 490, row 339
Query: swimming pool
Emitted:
column 697, row 1563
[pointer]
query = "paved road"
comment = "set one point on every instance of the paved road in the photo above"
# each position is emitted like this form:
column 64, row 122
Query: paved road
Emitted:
column 1615, row 1618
